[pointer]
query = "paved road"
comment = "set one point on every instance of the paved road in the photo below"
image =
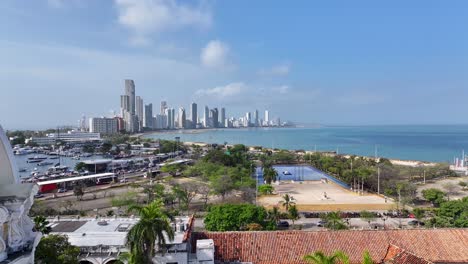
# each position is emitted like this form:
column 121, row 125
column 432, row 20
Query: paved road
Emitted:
column 356, row 223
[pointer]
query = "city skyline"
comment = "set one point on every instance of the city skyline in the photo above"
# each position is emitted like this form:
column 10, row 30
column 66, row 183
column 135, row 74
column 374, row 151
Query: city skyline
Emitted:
column 136, row 116
column 402, row 61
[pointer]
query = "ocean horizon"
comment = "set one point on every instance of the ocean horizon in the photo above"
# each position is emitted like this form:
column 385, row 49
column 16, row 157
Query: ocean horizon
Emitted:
column 433, row 143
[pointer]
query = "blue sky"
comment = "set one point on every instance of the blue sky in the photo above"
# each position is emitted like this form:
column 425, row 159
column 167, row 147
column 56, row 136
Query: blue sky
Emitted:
column 328, row 62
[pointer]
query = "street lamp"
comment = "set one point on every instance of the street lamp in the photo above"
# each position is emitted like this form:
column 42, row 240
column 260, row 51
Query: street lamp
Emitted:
column 384, row 218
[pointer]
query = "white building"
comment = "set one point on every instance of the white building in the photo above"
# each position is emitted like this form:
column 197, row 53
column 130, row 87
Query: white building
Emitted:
column 161, row 122
column 181, row 118
column 17, row 239
column 69, row 137
column 139, row 111
column 103, row 125
column 102, row 241
column 267, row 118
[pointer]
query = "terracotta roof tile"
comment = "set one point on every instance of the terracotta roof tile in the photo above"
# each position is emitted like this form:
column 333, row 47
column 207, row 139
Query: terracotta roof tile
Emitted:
column 442, row 245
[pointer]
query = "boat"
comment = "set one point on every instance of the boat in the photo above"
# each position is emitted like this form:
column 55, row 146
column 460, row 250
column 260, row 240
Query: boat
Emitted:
column 37, row 158
column 76, row 158
column 34, row 160
column 54, row 157
column 286, row 173
column 44, row 163
column 23, row 170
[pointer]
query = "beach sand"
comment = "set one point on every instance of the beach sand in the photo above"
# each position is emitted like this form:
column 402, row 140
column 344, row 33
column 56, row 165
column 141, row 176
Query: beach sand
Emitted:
column 309, row 197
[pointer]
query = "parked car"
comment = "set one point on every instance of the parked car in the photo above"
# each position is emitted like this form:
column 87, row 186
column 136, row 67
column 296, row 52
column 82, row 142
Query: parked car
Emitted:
column 283, row 224
column 321, row 223
column 415, row 223
column 39, row 195
column 62, row 190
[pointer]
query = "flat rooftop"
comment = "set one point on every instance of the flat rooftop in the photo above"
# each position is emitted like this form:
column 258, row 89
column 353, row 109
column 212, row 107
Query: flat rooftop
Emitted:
column 85, row 232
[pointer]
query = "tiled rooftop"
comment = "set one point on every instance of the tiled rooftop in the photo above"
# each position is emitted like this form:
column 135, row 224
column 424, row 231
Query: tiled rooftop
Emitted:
column 434, row 245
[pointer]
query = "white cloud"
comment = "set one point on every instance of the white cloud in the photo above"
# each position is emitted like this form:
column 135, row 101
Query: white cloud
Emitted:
column 146, row 17
column 223, row 92
column 278, row 70
column 215, row 54
column 283, row 89
column 64, row 3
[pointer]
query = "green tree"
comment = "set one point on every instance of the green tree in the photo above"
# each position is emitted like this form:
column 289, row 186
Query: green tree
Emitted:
column 235, row 217
column 78, row 191
column 367, row 216
column 433, row 195
column 269, row 174
column 452, row 214
column 274, row 215
column 55, row 249
column 287, row 201
column 419, row 214
column 105, row 147
column 89, row 148
column 222, row 185
column 293, row 213
column 265, row 189
column 333, row 221
column 42, row 225
column 152, row 228
column 318, row 257
column 366, row 258
column 80, row 166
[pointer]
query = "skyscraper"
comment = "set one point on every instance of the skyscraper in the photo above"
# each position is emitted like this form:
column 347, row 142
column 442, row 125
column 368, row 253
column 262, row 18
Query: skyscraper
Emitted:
column 139, row 110
column 124, row 104
column 181, row 120
column 206, row 115
column 248, row 119
column 130, row 91
column 170, row 112
column 194, row 116
column 256, row 118
column 163, row 107
column 222, row 117
column 215, row 117
column 267, row 117
column 148, row 116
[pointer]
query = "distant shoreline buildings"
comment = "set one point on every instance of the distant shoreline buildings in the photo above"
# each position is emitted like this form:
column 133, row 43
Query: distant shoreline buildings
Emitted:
column 135, row 116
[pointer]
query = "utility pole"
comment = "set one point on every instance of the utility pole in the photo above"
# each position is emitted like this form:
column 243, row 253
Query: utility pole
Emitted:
column 424, row 177
column 378, row 180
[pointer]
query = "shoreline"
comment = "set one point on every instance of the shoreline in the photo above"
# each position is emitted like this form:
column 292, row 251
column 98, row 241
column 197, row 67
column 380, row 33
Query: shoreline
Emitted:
column 395, row 161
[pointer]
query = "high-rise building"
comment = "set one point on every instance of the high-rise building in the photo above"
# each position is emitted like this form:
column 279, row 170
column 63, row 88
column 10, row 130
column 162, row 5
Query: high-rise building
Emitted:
column 181, row 118
column 215, row 117
column 267, row 117
column 222, row 118
column 194, row 115
column 124, row 104
column 248, row 119
column 103, row 125
column 131, row 122
column 161, row 121
column 256, row 118
column 130, row 91
column 148, row 116
column 139, row 110
column 170, row 112
column 163, row 107
column 206, row 117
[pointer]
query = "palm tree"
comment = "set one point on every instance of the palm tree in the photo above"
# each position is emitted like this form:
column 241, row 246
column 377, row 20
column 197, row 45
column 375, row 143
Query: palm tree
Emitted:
column 151, row 228
column 366, row 258
column 318, row 257
column 269, row 174
column 274, row 214
column 42, row 225
column 288, row 201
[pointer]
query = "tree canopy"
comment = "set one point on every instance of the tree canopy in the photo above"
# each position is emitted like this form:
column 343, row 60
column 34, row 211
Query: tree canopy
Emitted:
column 236, row 217
column 55, row 249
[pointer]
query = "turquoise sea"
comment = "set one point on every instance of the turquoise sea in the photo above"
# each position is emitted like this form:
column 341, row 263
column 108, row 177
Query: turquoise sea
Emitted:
column 440, row 143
